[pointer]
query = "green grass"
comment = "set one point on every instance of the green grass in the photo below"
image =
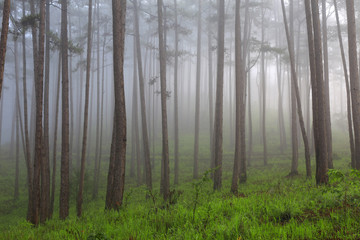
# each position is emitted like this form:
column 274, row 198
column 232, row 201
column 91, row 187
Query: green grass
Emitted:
column 268, row 206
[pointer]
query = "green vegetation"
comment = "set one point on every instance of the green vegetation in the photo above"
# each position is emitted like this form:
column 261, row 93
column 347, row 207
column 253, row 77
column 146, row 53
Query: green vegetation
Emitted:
column 268, row 206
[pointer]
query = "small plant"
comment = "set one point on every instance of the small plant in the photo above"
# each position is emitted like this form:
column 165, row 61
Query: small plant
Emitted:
column 98, row 236
column 197, row 186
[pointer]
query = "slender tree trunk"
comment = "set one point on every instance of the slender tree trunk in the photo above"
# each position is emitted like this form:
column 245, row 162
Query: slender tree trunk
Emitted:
column 218, row 128
column 86, row 113
column 294, row 122
column 348, row 93
column 96, row 165
column 240, row 110
column 197, row 97
column 263, row 84
column 165, row 178
column 145, row 138
column 354, row 78
column 53, row 176
column 326, row 85
column 297, row 93
column 38, row 158
column 211, row 108
column 17, row 110
column 116, row 180
column 176, row 97
column 45, row 171
column 3, row 41
column 64, row 188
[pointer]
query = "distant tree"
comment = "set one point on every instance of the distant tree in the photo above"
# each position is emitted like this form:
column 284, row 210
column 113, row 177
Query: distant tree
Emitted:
column 3, row 41
column 347, row 86
column 145, row 137
column 165, row 176
column 116, row 174
column 197, row 97
column 354, row 77
column 86, row 113
column 64, row 187
column 240, row 106
column 218, row 125
column 176, row 98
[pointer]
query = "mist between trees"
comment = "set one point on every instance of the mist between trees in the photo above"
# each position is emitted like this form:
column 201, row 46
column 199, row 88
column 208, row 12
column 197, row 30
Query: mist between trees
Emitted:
column 135, row 87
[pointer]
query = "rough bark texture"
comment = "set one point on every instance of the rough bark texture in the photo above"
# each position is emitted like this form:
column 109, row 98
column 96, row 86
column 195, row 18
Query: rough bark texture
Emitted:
column 354, row 78
column 64, row 187
column 116, row 179
column 38, row 156
column 86, row 114
column 165, row 176
column 218, row 127
column 3, row 41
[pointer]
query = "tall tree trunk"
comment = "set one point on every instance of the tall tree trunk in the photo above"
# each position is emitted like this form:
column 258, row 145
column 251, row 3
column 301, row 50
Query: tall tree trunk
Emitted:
column 294, row 122
column 354, row 77
column 38, row 156
column 348, row 93
column 263, row 84
column 297, row 93
column 64, row 188
column 240, row 110
column 3, row 41
column 145, row 138
column 97, row 142
column 28, row 161
column 326, row 85
column 86, row 113
column 165, row 177
column 197, row 97
column 135, row 144
column 176, row 97
column 45, row 175
column 17, row 110
column 211, row 108
column 116, row 179
column 218, row 127
column 53, row 176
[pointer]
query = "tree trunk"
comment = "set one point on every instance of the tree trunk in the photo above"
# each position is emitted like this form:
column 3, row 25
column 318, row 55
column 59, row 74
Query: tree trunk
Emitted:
column 165, row 177
column 45, row 171
column 145, row 138
column 218, row 127
column 240, row 110
column 176, row 97
column 3, row 41
column 354, row 78
column 53, row 180
column 297, row 93
column 38, row 156
column 326, row 85
column 197, row 97
column 348, row 93
column 64, row 188
column 86, row 113
column 211, row 108
column 118, row 153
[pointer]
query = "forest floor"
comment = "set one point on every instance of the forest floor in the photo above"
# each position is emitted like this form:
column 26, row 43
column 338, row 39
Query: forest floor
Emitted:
column 268, row 206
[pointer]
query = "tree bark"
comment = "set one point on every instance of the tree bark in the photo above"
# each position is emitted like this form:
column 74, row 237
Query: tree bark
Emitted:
column 218, row 127
column 145, row 138
column 64, row 188
column 176, row 97
column 197, row 97
column 3, row 41
column 348, row 93
column 86, row 113
column 118, row 153
column 165, row 177
column 354, row 77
